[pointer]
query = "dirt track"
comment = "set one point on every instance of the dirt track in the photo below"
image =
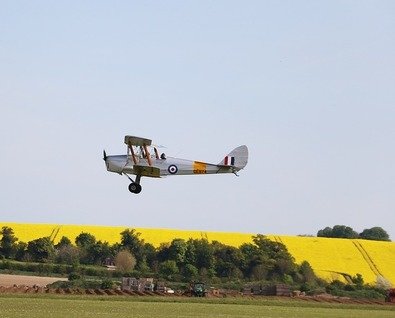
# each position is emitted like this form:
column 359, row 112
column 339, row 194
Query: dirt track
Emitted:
column 11, row 280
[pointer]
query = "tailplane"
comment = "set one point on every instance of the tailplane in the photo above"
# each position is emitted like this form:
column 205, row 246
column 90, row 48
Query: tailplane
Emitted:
column 237, row 158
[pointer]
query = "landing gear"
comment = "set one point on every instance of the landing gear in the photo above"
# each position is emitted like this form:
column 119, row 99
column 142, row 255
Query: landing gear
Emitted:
column 135, row 186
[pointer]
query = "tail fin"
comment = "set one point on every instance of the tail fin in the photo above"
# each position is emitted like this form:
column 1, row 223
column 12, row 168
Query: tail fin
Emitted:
column 237, row 158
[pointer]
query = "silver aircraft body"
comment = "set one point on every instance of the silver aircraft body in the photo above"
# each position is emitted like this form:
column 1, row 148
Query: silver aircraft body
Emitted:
column 143, row 160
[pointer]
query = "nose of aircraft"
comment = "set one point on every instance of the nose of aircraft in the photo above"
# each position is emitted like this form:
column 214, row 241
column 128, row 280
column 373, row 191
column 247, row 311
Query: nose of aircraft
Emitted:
column 114, row 163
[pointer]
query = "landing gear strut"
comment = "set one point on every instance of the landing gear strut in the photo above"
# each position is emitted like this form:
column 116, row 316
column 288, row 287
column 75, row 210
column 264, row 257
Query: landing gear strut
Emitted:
column 135, row 186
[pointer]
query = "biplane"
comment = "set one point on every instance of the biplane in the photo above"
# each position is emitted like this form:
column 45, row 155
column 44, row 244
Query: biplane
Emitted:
column 143, row 160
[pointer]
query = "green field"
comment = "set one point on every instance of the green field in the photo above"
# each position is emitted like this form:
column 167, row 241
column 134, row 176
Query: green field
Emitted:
column 90, row 306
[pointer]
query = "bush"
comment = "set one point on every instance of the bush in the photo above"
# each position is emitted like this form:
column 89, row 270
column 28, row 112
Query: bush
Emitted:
column 78, row 283
column 74, row 276
column 350, row 288
column 306, row 287
column 360, row 293
column 287, row 279
column 336, row 284
column 107, row 284
column 358, row 280
column 59, row 269
column 4, row 265
column 125, row 261
column 91, row 271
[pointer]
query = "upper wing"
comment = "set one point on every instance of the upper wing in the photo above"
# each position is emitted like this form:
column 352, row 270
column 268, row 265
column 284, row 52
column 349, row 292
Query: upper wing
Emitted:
column 137, row 141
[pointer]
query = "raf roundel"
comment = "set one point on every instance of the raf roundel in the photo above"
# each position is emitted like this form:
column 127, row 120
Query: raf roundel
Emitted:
column 172, row 169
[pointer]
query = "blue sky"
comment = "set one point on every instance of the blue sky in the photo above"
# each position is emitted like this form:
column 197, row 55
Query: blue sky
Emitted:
column 308, row 86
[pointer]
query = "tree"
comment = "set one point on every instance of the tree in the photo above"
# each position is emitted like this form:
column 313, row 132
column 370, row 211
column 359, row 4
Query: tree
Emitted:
column 125, row 261
column 163, row 252
column 266, row 259
column 190, row 272
column 41, row 249
column 130, row 240
column 92, row 251
column 68, row 254
column 375, row 233
column 20, row 251
column 99, row 252
column 307, row 272
column 150, row 256
column 253, row 262
column 8, row 245
column 64, row 241
column 190, row 253
column 342, row 231
column 272, row 250
column 326, row 232
column 228, row 260
column 168, row 269
column 85, row 240
column 177, row 250
column 338, row 231
column 258, row 272
column 204, row 254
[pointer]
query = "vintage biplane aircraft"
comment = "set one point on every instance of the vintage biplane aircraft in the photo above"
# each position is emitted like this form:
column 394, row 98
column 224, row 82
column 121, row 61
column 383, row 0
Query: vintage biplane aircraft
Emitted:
column 143, row 160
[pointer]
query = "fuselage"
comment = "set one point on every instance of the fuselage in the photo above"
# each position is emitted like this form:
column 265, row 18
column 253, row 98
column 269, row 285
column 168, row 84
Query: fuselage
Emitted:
column 169, row 166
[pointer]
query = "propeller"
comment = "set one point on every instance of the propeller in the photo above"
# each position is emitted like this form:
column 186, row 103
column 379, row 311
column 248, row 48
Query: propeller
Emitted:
column 104, row 155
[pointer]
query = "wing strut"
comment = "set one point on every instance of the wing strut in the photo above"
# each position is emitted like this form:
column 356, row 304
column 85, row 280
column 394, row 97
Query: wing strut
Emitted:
column 156, row 153
column 147, row 154
column 132, row 152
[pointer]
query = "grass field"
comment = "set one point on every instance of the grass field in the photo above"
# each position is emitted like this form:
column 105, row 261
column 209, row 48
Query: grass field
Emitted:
column 328, row 257
column 67, row 306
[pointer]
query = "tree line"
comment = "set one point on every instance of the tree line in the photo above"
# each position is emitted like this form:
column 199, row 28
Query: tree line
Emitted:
column 179, row 260
column 342, row 231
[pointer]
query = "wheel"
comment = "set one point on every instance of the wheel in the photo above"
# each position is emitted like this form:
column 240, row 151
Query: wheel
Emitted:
column 138, row 188
column 134, row 188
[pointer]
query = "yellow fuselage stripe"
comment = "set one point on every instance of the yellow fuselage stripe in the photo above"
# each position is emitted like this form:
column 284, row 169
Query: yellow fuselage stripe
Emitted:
column 199, row 167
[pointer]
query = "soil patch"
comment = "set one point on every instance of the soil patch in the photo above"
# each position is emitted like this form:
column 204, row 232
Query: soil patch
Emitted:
column 11, row 280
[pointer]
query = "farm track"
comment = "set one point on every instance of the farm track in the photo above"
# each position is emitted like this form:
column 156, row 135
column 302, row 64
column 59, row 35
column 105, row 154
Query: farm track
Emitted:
column 278, row 239
column 367, row 258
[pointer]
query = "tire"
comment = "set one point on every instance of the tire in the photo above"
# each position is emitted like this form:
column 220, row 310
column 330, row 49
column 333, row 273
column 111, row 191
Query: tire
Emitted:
column 138, row 188
column 134, row 188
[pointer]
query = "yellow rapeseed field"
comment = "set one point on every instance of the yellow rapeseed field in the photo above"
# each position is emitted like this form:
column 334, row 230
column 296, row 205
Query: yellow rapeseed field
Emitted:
column 330, row 258
column 382, row 255
column 111, row 234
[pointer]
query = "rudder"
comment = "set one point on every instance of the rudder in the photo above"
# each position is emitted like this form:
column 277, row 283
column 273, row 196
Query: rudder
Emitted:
column 238, row 158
